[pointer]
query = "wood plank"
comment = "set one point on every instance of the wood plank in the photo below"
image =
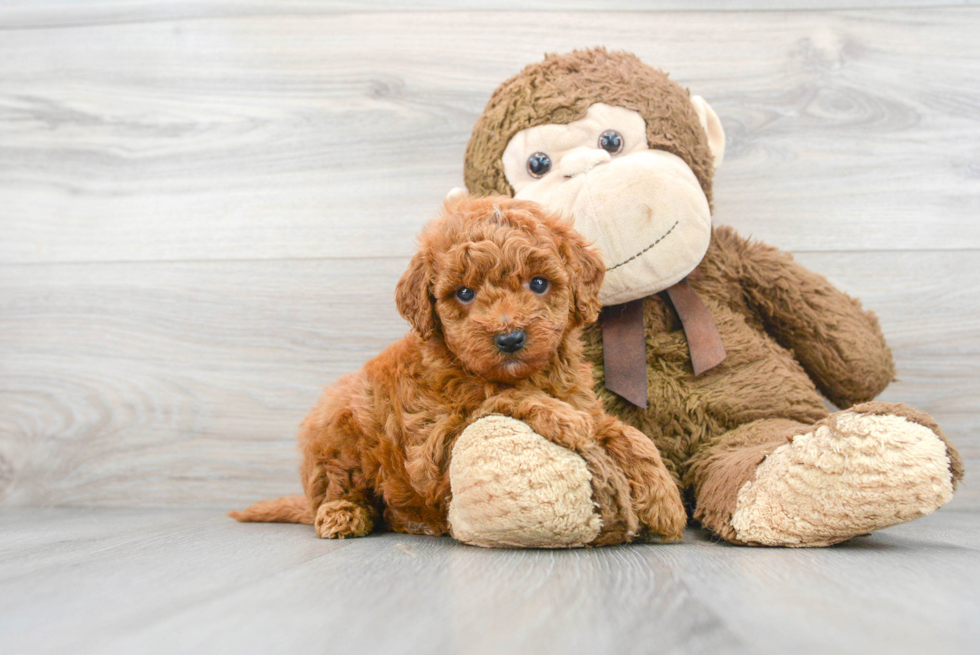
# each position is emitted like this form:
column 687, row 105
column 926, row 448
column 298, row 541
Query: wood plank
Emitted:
column 188, row 364
column 183, row 383
column 164, row 581
column 35, row 14
column 288, row 135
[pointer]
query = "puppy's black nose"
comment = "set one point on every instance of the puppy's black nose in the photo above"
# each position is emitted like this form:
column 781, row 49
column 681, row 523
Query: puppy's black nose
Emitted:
column 510, row 342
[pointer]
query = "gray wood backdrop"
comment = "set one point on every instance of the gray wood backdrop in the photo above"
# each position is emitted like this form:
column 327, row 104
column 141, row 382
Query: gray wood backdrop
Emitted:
column 205, row 204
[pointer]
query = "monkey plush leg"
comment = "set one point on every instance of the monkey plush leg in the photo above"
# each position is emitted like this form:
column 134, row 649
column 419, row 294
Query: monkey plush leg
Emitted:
column 511, row 487
column 776, row 482
column 653, row 492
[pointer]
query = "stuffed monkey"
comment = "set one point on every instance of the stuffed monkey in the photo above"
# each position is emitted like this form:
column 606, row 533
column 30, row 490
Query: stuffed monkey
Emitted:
column 716, row 347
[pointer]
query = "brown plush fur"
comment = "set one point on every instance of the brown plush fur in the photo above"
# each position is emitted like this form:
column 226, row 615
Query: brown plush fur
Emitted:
column 789, row 334
column 719, row 470
column 378, row 443
column 561, row 89
column 781, row 325
column 724, row 465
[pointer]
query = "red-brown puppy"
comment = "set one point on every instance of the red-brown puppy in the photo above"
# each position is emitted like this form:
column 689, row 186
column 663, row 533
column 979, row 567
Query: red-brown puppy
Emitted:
column 497, row 296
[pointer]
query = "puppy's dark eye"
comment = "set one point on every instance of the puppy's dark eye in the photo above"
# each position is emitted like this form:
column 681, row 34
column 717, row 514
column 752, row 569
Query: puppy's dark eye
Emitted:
column 465, row 294
column 538, row 164
column 538, row 285
column 611, row 141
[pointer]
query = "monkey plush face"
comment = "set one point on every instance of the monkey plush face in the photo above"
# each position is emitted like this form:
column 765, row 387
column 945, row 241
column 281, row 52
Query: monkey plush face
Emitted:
column 616, row 146
column 643, row 208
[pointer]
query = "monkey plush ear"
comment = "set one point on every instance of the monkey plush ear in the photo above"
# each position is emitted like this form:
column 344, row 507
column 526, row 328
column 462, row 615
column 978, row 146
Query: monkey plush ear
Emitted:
column 587, row 271
column 712, row 127
column 414, row 299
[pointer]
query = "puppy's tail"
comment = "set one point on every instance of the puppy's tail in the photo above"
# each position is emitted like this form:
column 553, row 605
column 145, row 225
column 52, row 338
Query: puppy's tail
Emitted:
column 288, row 509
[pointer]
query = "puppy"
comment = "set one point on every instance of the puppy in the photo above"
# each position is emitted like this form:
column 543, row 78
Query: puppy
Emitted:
column 496, row 295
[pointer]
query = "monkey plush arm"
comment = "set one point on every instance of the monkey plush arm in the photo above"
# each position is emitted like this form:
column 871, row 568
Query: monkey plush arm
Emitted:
column 838, row 343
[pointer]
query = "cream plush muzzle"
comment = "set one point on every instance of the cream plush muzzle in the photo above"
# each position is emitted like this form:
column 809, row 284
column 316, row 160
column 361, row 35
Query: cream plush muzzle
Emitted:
column 644, row 209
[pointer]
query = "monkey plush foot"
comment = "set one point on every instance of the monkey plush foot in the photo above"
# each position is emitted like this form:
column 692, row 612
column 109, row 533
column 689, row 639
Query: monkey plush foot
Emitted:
column 859, row 470
column 513, row 488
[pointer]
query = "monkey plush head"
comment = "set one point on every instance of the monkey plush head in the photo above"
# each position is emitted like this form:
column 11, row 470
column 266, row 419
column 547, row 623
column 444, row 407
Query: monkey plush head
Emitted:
column 613, row 143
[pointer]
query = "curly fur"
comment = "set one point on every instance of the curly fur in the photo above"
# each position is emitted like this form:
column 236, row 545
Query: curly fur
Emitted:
column 378, row 443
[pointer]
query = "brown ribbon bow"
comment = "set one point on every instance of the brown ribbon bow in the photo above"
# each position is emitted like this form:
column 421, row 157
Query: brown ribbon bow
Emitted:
column 624, row 345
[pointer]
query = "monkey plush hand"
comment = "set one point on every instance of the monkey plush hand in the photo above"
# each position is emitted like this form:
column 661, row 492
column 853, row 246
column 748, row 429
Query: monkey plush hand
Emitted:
column 715, row 347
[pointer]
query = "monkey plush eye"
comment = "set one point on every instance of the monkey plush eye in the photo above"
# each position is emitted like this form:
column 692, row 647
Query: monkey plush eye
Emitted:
column 465, row 294
column 538, row 164
column 538, row 285
column 611, row 141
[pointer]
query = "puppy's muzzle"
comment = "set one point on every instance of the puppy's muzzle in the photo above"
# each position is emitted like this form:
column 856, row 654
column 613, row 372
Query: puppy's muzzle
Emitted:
column 510, row 342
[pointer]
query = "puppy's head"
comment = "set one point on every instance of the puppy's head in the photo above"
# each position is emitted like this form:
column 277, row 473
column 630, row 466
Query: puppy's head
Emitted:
column 502, row 281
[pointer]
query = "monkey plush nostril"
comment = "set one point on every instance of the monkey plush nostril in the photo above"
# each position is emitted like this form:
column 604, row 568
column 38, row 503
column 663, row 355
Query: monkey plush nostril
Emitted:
column 510, row 342
column 582, row 160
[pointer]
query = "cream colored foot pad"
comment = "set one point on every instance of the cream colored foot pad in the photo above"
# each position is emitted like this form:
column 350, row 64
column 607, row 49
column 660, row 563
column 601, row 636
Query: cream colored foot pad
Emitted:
column 856, row 474
column 513, row 488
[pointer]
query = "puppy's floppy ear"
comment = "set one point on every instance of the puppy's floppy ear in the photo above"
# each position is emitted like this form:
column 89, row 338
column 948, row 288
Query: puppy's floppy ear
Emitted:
column 586, row 272
column 413, row 296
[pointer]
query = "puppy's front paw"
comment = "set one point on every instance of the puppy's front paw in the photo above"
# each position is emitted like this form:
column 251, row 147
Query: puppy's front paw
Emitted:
column 656, row 497
column 562, row 424
column 336, row 519
column 665, row 518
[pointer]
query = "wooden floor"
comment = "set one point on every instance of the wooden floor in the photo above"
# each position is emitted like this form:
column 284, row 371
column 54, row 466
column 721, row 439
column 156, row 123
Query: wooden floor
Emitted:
column 175, row 581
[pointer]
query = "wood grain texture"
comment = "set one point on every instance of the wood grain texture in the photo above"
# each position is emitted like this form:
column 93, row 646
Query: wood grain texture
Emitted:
column 33, row 14
column 311, row 136
column 164, row 581
column 183, row 383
